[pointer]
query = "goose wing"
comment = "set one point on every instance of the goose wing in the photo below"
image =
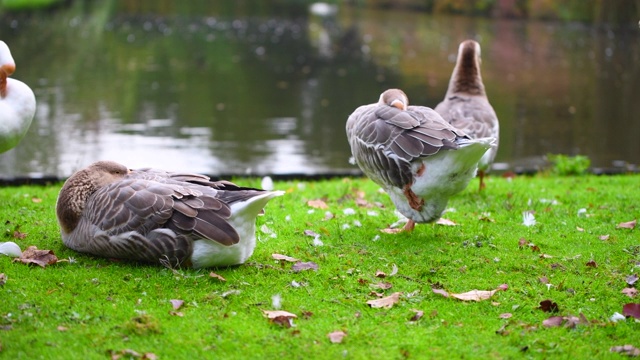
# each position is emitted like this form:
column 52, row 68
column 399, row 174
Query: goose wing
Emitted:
column 386, row 140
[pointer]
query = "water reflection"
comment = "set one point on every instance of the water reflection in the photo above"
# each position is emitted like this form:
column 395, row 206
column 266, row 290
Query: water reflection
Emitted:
column 222, row 89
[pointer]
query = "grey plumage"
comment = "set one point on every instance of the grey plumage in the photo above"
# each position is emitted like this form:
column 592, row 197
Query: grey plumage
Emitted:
column 147, row 214
column 466, row 105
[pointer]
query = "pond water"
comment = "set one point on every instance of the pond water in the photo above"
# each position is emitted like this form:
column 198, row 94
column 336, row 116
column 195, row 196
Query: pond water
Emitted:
column 228, row 89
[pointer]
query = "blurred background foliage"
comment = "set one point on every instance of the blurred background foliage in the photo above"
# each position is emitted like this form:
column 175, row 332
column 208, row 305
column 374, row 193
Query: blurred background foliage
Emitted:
column 589, row 11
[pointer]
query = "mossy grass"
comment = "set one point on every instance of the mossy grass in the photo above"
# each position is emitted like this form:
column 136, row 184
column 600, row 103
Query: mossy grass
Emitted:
column 91, row 307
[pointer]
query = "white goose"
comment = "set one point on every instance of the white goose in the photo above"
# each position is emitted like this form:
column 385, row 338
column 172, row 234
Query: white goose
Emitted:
column 151, row 215
column 17, row 103
column 466, row 105
column 419, row 159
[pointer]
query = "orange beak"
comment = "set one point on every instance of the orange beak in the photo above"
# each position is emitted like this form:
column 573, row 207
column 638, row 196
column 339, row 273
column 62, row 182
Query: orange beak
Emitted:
column 399, row 104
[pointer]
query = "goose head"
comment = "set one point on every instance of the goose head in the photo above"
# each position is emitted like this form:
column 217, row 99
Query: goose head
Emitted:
column 394, row 97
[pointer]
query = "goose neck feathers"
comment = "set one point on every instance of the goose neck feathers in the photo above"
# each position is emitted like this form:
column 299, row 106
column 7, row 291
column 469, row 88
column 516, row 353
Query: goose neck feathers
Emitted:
column 466, row 77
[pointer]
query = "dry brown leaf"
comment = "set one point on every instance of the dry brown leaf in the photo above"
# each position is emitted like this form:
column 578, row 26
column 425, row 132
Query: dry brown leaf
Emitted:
column 417, row 316
column 544, row 280
column 632, row 310
column 19, row 235
column 548, row 306
column 627, row 225
column 380, row 274
column 440, row 292
column 300, row 265
column 545, row 256
column 475, row 295
column 176, row 304
column 505, row 316
column 628, row 350
column 318, row 204
column 631, row 279
column 62, row 328
column 3, row 279
column 382, row 285
column 280, row 317
column 591, row 263
column 385, row 302
column 604, row 237
column 336, row 336
column 445, row 222
column 522, row 242
column 36, row 200
column 216, row 276
column 39, row 257
column 553, row 321
column 579, row 229
column 284, row 257
column 176, row 313
column 630, row 292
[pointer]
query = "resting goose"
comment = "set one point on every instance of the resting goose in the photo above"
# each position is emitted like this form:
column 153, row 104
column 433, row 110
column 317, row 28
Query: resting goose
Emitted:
column 17, row 103
column 466, row 106
column 176, row 219
column 419, row 159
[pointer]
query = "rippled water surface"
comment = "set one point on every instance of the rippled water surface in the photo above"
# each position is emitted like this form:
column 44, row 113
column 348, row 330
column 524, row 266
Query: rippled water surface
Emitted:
column 219, row 90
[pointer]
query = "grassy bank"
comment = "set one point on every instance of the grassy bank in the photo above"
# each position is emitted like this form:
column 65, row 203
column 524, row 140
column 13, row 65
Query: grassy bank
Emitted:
column 575, row 256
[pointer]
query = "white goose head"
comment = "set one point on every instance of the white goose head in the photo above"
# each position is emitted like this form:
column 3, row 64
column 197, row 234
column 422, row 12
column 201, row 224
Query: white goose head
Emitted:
column 394, row 97
column 17, row 103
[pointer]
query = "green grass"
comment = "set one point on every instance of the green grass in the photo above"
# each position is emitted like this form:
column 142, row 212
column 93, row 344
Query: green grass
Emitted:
column 27, row 4
column 91, row 306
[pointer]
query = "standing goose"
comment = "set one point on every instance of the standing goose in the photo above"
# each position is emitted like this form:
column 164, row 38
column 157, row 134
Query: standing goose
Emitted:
column 419, row 159
column 151, row 215
column 466, row 106
column 17, row 103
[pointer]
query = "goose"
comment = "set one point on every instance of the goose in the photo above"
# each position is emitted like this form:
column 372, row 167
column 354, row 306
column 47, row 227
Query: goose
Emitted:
column 151, row 215
column 419, row 159
column 466, row 105
column 17, row 103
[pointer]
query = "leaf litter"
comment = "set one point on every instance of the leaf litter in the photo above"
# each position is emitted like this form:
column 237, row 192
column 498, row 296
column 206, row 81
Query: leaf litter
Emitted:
column 385, row 302
column 473, row 295
column 39, row 257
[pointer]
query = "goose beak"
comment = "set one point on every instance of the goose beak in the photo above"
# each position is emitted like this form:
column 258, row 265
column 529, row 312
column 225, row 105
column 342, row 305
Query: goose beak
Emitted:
column 5, row 70
column 399, row 104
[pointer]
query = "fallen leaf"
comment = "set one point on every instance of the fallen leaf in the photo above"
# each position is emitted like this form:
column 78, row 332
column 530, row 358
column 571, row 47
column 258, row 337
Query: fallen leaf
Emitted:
column 328, row 216
column 632, row 310
column 380, row 274
column 545, row 256
column 62, row 328
column 603, row 237
column 548, row 306
column 382, row 285
column 544, row 280
column 318, row 204
column 445, row 222
column 522, row 242
column 591, row 263
column 628, row 350
column 630, row 292
column 131, row 354
column 19, row 235
column 376, row 294
column 3, row 279
column 176, row 313
column 284, row 257
column 440, row 292
column 475, row 295
column 216, row 276
column 627, row 225
column 505, row 316
column 631, row 279
column 280, row 317
column 553, row 321
column 177, row 304
column 39, row 257
column 336, row 336
column 579, row 229
column 385, row 302
column 418, row 314
column 300, row 265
